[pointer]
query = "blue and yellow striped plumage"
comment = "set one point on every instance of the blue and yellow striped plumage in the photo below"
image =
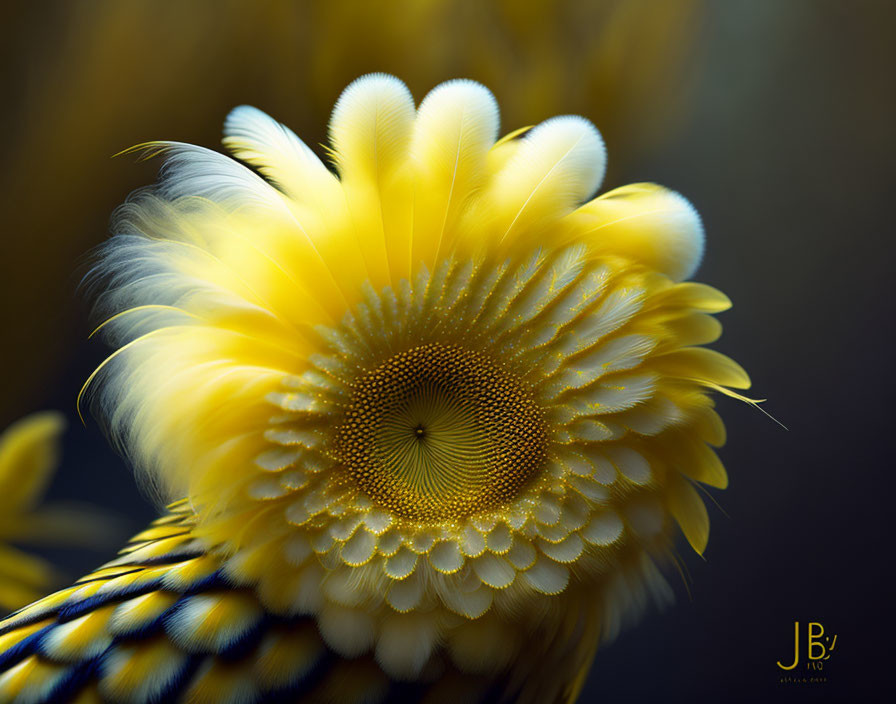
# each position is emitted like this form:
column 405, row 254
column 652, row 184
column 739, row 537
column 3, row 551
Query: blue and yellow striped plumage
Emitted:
column 163, row 623
column 159, row 623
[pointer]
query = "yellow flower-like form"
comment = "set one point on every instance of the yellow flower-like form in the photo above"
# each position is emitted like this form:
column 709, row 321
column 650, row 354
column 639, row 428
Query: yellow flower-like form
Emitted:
column 29, row 454
column 442, row 401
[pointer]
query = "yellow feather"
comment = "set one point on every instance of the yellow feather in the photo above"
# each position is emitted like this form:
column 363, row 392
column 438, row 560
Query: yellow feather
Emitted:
column 133, row 614
column 689, row 511
column 210, row 621
column 31, row 681
column 8, row 640
column 29, row 454
column 650, row 224
column 286, row 655
column 555, row 167
column 703, row 365
column 138, row 672
column 314, row 192
column 370, row 133
column 219, row 682
column 457, row 124
column 82, row 637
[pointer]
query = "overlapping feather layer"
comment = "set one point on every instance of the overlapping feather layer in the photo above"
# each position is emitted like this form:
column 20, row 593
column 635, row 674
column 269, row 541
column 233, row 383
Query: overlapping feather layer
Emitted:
column 248, row 300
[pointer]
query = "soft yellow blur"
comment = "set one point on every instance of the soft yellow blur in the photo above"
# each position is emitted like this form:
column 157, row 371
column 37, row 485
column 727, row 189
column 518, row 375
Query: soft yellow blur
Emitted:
column 29, row 456
column 93, row 78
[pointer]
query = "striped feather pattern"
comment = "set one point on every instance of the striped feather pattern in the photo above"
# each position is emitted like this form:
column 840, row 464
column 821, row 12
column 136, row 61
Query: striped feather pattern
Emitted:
column 162, row 623
column 157, row 625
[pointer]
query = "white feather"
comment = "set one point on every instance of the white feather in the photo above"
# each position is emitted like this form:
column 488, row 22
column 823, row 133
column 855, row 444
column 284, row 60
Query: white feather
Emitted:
column 277, row 152
column 558, row 165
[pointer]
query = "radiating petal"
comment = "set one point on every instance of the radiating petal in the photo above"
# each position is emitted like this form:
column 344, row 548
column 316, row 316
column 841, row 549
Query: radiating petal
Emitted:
column 359, row 548
column 604, row 529
column 547, row 576
column 446, row 557
column 494, row 570
column 404, row 595
column 567, row 550
column 401, row 564
column 350, row 632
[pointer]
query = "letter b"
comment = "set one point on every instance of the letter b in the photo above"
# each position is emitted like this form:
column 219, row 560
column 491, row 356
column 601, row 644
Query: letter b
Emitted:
column 813, row 641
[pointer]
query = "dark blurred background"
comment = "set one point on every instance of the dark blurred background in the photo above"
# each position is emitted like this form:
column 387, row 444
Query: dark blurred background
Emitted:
column 776, row 118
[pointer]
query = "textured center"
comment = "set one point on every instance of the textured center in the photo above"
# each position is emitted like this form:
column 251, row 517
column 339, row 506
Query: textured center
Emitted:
column 440, row 432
